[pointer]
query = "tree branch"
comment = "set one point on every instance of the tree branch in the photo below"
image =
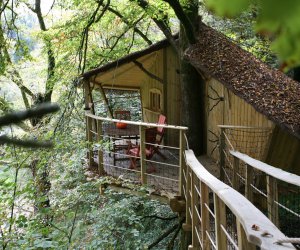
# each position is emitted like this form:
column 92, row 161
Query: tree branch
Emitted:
column 25, row 143
column 185, row 21
column 164, row 235
column 16, row 117
column 4, row 7
column 159, row 217
column 161, row 24
column 84, row 39
column 50, row 54
column 148, row 73
column 124, row 20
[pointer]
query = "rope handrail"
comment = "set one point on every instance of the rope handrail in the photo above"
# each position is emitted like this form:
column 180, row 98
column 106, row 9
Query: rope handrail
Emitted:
column 268, row 169
column 148, row 124
column 246, row 213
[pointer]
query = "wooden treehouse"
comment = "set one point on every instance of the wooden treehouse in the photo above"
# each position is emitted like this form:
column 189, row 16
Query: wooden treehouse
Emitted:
column 252, row 125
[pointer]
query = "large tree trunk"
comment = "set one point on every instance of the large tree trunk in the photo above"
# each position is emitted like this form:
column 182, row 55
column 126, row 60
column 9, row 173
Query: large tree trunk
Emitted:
column 192, row 88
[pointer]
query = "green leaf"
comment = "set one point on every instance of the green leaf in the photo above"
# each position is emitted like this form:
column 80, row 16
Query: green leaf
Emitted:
column 227, row 8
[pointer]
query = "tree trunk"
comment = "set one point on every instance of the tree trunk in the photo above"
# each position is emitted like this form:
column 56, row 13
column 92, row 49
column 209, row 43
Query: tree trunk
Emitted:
column 192, row 88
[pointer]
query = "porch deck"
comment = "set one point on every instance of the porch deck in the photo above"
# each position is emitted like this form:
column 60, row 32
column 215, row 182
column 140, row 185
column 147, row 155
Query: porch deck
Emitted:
column 164, row 179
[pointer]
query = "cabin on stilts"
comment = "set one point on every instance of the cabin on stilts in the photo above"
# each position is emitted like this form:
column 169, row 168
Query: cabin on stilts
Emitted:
column 252, row 125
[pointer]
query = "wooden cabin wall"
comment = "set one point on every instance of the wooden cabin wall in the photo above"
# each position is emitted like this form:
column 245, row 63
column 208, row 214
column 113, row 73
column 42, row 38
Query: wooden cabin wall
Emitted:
column 284, row 151
column 225, row 108
column 150, row 83
column 166, row 67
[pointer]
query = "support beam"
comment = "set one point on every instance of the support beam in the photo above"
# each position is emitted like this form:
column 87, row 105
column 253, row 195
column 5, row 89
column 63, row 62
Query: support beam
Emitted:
column 110, row 113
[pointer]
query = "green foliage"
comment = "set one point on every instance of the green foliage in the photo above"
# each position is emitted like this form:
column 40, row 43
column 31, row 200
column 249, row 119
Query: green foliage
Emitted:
column 278, row 20
column 227, row 8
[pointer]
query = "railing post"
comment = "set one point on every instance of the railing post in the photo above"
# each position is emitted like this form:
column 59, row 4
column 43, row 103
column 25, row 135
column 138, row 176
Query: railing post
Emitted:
column 248, row 181
column 236, row 164
column 143, row 154
column 243, row 242
column 187, row 225
column 90, row 140
column 222, row 154
column 272, row 196
column 100, row 150
column 204, row 215
column 220, row 219
column 181, row 162
column 195, row 224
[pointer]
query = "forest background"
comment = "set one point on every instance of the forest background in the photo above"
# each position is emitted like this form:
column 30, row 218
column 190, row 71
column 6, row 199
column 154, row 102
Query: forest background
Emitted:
column 46, row 198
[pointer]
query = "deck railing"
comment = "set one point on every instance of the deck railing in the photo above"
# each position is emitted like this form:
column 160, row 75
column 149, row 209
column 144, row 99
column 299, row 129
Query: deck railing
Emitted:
column 275, row 192
column 220, row 217
column 167, row 177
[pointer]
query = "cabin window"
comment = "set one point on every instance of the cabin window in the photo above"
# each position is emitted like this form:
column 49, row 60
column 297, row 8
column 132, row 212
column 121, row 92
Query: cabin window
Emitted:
column 155, row 100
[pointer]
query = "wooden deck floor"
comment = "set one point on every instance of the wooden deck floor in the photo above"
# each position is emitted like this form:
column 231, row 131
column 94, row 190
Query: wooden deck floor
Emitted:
column 164, row 179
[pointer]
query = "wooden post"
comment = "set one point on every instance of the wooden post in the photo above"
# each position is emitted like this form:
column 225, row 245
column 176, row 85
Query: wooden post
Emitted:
column 204, row 216
column 236, row 164
column 87, row 99
column 102, row 92
column 243, row 242
column 195, row 223
column 272, row 196
column 90, row 140
column 143, row 154
column 220, row 219
column 248, row 182
column 100, row 150
column 222, row 155
column 188, row 220
column 181, row 162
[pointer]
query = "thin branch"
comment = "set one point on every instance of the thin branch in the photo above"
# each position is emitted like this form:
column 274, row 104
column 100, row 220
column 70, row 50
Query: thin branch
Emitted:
column 73, row 226
column 171, row 243
column 124, row 20
column 159, row 217
column 163, row 26
column 132, row 42
column 18, row 116
column 148, row 73
column 4, row 7
column 163, row 236
column 25, row 143
column 59, row 229
column 84, row 39
column 19, row 165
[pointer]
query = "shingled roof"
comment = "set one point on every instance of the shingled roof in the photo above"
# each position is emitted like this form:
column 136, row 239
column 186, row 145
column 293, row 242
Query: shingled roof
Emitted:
column 269, row 91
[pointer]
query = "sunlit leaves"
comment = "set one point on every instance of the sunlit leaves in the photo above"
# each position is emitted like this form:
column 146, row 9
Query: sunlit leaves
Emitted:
column 279, row 20
column 227, row 8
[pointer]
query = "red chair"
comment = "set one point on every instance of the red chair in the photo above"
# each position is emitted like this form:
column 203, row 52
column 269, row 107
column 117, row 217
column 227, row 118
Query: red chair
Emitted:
column 153, row 138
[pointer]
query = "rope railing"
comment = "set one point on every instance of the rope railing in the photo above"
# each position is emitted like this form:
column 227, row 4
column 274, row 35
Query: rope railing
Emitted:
column 219, row 217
